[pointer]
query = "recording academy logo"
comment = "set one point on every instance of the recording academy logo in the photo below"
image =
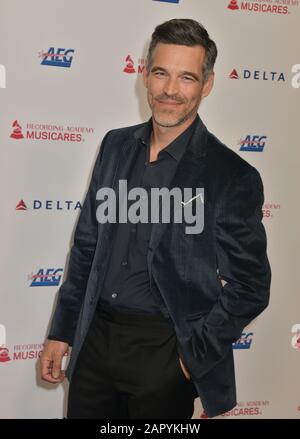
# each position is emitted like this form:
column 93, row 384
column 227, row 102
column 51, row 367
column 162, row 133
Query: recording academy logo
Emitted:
column 49, row 131
column 4, row 352
column 48, row 277
column 130, row 66
column 279, row 7
column 296, row 336
column 61, row 205
column 233, row 5
column 258, row 75
column 2, row 76
column 248, row 408
column 28, row 351
column 253, row 143
column 57, row 57
column 17, row 131
column 244, row 342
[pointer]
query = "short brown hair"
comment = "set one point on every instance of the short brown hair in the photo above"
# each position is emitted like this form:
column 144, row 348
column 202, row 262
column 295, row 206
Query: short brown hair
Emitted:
column 185, row 32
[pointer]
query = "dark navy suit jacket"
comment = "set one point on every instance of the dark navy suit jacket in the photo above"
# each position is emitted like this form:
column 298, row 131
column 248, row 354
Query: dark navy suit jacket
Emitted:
column 186, row 268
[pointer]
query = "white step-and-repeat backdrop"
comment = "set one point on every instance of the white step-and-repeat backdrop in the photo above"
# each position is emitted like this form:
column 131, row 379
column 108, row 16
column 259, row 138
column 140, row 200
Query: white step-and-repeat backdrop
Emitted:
column 69, row 72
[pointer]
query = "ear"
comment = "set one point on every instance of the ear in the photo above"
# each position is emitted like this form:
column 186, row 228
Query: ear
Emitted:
column 208, row 85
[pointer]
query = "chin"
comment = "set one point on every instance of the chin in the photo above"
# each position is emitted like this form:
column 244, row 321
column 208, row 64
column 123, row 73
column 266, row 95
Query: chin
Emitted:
column 168, row 122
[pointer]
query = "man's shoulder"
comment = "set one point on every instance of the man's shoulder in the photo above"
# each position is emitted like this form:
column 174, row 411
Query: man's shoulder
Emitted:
column 127, row 132
column 225, row 160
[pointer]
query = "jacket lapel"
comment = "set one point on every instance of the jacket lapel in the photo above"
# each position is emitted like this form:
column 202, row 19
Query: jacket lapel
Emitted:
column 124, row 164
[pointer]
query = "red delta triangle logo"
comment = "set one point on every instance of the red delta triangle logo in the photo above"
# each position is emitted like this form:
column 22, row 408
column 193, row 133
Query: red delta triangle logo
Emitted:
column 21, row 205
column 233, row 5
column 234, row 75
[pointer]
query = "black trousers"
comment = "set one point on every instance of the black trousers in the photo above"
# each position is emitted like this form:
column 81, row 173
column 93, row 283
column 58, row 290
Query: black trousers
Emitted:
column 129, row 368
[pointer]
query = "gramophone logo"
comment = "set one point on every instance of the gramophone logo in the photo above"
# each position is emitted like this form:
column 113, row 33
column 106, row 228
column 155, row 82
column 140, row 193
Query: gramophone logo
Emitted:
column 17, row 130
column 130, row 65
column 233, row 5
column 129, row 68
column 4, row 353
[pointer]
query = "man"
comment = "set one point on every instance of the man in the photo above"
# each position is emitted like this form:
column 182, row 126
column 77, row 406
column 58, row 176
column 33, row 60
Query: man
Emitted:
column 151, row 309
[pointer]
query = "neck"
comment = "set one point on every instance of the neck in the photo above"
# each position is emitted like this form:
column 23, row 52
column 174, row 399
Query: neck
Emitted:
column 162, row 136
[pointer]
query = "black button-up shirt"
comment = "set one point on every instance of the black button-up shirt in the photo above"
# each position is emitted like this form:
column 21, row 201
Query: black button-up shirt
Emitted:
column 127, row 283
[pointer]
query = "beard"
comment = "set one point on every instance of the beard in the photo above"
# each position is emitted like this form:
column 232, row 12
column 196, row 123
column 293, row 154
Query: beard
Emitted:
column 162, row 118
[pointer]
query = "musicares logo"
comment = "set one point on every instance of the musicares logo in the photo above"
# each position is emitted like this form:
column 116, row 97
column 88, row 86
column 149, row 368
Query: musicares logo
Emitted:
column 282, row 7
column 46, row 131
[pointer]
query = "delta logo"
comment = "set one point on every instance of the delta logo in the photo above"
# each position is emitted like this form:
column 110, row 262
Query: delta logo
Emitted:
column 45, row 131
column 48, row 277
column 57, row 57
column 244, row 342
column 252, row 143
column 131, row 67
column 279, row 7
column 49, row 205
column 269, row 210
column 247, row 408
column 258, row 75
column 296, row 336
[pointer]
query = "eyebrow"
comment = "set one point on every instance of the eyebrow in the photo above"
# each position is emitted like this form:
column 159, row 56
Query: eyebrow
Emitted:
column 183, row 72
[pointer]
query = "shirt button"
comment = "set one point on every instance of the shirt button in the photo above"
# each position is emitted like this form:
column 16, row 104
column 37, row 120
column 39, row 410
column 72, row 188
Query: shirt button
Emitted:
column 114, row 295
column 133, row 230
column 124, row 263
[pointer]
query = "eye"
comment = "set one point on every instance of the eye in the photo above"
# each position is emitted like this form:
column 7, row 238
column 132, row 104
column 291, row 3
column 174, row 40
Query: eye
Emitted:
column 159, row 73
column 187, row 78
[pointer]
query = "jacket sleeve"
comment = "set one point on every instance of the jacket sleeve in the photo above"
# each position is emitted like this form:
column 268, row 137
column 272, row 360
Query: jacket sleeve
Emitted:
column 242, row 263
column 72, row 291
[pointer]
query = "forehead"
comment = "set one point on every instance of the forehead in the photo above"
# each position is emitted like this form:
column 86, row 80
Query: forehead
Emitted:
column 178, row 56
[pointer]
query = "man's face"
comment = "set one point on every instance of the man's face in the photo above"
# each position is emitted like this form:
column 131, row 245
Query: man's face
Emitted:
column 175, row 83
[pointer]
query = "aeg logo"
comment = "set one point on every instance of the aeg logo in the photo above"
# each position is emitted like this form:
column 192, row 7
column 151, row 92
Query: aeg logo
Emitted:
column 57, row 57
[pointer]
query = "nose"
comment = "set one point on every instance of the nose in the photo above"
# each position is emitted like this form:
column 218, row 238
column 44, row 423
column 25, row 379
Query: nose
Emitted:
column 171, row 86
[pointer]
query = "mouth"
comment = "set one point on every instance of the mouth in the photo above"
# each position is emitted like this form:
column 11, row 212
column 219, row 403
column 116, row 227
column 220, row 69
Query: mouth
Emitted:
column 171, row 103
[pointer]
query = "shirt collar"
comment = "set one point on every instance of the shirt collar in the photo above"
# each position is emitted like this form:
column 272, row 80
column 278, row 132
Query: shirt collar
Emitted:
column 178, row 146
